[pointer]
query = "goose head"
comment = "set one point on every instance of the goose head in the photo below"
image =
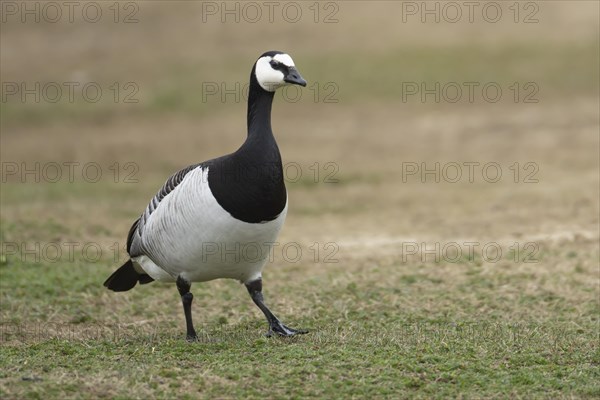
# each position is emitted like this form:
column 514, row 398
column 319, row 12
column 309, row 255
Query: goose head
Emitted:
column 275, row 69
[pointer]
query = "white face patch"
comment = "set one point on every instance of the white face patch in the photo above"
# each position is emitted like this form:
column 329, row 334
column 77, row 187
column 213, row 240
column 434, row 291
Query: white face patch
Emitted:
column 268, row 78
column 285, row 59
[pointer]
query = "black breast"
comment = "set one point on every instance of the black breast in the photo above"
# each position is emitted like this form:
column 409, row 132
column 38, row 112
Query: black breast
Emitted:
column 250, row 190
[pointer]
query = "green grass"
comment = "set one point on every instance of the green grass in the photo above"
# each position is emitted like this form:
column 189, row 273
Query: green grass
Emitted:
column 428, row 360
column 382, row 331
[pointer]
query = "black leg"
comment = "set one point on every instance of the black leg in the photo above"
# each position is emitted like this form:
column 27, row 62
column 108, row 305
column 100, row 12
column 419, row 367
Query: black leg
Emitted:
column 275, row 326
column 186, row 298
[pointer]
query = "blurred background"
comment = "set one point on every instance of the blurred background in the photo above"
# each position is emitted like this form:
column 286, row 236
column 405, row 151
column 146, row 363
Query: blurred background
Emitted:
column 139, row 90
column 136, row 91
column 162, row 85
column 131, row 92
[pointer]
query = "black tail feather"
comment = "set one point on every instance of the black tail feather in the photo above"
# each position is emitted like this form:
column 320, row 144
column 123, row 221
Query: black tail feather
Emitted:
column 125, row 278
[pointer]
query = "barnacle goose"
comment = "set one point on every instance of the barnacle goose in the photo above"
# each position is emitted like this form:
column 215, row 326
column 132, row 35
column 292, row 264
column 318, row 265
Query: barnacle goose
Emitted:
column 196, row 225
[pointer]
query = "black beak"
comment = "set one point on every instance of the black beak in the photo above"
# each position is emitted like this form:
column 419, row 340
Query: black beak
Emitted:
column 294, row 77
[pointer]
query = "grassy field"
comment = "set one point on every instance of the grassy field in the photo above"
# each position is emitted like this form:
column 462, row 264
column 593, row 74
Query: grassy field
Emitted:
column 413, row 284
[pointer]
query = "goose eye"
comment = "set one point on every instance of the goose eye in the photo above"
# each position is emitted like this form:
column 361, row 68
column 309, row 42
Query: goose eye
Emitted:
column 273, row 63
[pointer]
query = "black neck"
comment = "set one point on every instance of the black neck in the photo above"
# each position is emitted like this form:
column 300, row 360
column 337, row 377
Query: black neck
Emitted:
column 260, row 103
column 249, row 183
column 260, row 146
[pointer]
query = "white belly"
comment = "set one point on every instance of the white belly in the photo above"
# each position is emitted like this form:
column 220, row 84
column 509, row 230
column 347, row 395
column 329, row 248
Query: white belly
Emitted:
column 190, row 234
